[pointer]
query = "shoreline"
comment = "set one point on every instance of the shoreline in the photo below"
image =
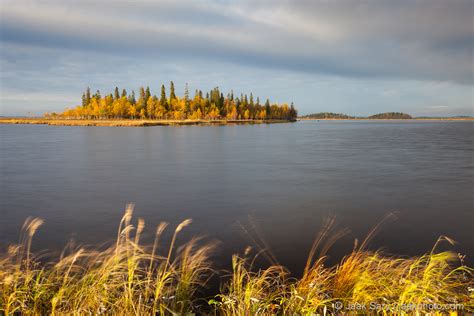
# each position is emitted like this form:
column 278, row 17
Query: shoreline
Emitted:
column 408, row 120
column 132, row 123
column 144, row 123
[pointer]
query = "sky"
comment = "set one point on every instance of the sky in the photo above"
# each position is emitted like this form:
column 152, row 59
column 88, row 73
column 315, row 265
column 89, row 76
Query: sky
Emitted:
column 354, row 57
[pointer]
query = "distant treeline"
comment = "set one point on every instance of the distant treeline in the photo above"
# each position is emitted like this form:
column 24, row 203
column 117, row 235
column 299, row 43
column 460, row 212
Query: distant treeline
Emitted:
column 391, row 115
column 213, row 106
column 328, row 115
column 386, row 116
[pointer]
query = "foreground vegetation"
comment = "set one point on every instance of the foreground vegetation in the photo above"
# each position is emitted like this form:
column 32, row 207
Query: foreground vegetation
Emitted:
column 129, row 278
column 210, row 106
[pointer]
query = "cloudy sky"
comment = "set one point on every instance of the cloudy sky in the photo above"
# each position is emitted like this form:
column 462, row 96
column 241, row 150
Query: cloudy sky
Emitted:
column 356, row 57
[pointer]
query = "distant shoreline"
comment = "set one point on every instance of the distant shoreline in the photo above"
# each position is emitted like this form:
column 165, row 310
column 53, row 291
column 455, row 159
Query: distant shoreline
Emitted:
column 131, row 123
column 379, row 119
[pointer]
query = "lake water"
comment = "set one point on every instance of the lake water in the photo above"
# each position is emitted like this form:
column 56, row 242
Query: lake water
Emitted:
column 283, row 178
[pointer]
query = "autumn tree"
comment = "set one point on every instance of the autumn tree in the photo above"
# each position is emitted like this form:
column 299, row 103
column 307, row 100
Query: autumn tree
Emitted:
column 212, row 106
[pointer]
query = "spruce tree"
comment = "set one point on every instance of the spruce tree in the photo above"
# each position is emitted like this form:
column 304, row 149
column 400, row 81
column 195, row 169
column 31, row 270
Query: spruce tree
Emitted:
column 141, row 104
column 221, row 101
column 267, row 108
column 116, row 94
column 88, row 96
column 186, row 100
column 131, row 98
column 172, row 94
column 163, row 101
column 147, row 94
column 142, row 93
column 293, row 113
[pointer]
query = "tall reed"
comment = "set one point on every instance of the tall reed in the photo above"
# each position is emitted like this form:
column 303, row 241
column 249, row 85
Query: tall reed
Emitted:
column 126, row 278
column 129, row 278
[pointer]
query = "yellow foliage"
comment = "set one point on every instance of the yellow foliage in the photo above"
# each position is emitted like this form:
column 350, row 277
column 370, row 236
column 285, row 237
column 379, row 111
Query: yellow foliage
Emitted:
column 213, row 106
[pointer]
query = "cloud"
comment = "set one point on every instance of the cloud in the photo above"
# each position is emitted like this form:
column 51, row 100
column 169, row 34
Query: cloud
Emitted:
column 423, row 40
column 358, row 57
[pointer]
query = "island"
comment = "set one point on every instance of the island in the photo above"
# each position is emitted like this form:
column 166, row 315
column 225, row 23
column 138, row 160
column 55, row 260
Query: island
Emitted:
column 341, row 116
column 327, row 115
column 381, row 116
column 126, row 109
column 391, row 116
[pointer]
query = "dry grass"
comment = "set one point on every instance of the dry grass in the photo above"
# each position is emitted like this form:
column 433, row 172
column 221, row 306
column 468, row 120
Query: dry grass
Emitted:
column 383, row 284
column 129, row 278
column 125, row 279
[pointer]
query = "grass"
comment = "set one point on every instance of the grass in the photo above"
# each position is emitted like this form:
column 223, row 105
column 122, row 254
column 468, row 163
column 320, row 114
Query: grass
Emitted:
column 126, row 278
column 129, row 278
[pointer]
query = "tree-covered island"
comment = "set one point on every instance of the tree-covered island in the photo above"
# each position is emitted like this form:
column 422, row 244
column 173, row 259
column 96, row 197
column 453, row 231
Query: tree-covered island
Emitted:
column 327, row 115
column 391, row 116
column 340, row 116
column 212, row 105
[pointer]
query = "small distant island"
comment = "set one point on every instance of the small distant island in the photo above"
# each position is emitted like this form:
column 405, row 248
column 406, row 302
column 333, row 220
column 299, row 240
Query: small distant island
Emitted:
column 327, row 115
column 391, row 116
column 340, row 116
column 380, row 116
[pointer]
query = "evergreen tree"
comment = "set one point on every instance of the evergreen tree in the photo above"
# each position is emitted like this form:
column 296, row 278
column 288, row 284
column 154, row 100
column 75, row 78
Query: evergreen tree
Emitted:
column 172, row 94
column 220, row 104
column 132, row 99
column 186, row 100
column 141, row 104
column 84, row 100
column 163, row 101
column 116, row 94
column 124, row 93
column 293, row 114
column 147, row 94
column 88, row 96
column 142, row 93
column 238, row 106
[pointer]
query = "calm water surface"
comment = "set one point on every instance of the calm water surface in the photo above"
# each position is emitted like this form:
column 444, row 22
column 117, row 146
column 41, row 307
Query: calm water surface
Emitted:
column 283, row 178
